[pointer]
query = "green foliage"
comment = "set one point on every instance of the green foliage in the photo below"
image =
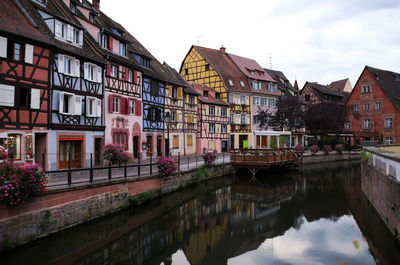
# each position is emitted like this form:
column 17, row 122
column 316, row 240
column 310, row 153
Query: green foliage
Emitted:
column 365, row 156
column 200, row 175
column 146, row 196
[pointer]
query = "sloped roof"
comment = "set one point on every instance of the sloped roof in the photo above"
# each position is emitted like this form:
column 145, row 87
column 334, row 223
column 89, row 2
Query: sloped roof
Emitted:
column 59, row 10
column 339, row 85
column 323, row 89
column 221, row 62
column 15, row 19
column 175, row 78
column 278, row 76
column 389, row 82
column 210, row 99
column 247, row 65
column 296, row 85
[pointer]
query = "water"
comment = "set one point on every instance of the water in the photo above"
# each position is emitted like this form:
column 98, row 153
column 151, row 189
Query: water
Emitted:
column 316, row 216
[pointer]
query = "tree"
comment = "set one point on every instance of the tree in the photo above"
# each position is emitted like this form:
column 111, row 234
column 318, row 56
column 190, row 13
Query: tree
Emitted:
column 289, row 114
column 325, row 117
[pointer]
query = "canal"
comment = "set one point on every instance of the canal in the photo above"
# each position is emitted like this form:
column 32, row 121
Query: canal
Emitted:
column 317, row 215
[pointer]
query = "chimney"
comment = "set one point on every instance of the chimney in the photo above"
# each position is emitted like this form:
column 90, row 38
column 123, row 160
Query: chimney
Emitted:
column 96, row 5
column 222, row 49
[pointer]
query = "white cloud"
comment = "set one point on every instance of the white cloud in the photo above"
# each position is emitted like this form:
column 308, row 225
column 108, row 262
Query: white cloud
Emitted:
column 309, row 40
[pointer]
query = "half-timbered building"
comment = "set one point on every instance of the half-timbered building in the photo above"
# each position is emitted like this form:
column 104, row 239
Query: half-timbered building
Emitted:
column 216, row 70
column 76, row 109
column 212, row 121
column 24, row 85
column 181, row 107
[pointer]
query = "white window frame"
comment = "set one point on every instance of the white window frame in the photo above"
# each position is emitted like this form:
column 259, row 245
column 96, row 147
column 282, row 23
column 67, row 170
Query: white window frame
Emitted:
column 7, row 95
column 242, row 100
column 256, row 100
column 211, row 110
column 367, row 124
column 366, row 106
column 132, row 107
column 242, row 118
column 230, row 82
column 224, row 128
column 242, row 83
column 112, row 72
column 347, row 125
column 388, row 140
column 74, row 104
column 356, row 108
column 116, row 104
column 211, row 127
column 122, row 51
column 377, row 105
column 130, row 75
column 224, row 112
column 388, row 123
column 365, row 89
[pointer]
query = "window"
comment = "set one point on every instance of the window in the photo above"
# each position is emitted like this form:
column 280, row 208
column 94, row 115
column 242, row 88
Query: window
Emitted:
column 388, row 123
column 230, row 98
column 207, row 67
column 205, row 93
column 114, row 71
column 211, row 128
column 130, row 75
column 264, row 101
column 14, row 146
column 269, row 87
column 256, row 101
column 7, row 95
column 224, row 128
column 272, row 102
column 355, row 107
column 104, row 41
column 24, row 97
column 347, row 125
column 189, row 141
column 243, row 118
column 232, row 118
column 93, row 107
column 122, row 49
column 174, row 92
column 72, row 6
column 68, row 33
column 68, row 65
column 242, row 83
column 365, row 89
column 211, row 110
column 253, row 73
column 388, row 140
column 367, row 124
column 230, row 82
column 275, row 87
column 242, row 100
column 176, row 142
column 172, row 116
column 191, row 99
column 15, row 51
column 223, row 112
column 116, row 104
column 70, row 104
column 186, row 71
column 217, row 95
column 377, row 105
column 92, row 72
column 366, row 106
column 91, row 18
column 132, row 107
column 307, row 97
column 121, row 139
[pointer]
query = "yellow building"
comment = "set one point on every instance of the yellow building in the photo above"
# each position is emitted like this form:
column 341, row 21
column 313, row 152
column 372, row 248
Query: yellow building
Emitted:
column 215, row 69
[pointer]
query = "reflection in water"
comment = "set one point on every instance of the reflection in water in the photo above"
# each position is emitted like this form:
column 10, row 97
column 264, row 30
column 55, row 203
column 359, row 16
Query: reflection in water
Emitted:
column 312, row 217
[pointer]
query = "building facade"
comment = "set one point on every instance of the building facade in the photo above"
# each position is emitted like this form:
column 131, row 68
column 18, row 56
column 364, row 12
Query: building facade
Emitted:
column 373, row 107
column 212, row 121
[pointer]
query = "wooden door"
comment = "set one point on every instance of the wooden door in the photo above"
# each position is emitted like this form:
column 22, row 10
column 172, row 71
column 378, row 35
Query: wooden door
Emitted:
column 135, row 146
column 159, row 145
column 70, row 150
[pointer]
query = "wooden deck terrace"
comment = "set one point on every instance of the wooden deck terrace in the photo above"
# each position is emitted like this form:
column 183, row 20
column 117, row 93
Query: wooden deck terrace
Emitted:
column 256, row 159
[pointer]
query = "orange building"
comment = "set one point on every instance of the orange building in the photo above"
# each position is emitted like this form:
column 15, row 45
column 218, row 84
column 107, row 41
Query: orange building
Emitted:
column 374, row 106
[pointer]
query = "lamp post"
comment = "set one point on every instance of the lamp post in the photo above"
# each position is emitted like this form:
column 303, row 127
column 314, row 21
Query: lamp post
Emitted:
column 167, row 120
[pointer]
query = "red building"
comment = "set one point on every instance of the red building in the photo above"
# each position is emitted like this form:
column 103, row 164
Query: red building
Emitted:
column 24, row 84
column 374, row 106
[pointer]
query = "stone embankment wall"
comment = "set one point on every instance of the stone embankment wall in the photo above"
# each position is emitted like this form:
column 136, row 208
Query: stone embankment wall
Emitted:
column 380, row 183
column 321, row 158
column 67, row 207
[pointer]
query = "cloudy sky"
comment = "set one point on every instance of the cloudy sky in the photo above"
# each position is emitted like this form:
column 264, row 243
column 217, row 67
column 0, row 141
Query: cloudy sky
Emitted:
column 309, row 40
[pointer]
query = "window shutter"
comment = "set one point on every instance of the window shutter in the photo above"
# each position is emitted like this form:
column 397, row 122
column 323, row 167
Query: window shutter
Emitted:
column 58, row 29
column 187, row 99
column 35, row 98
column 122, row 107
column 61, row 103
column 77, row 105
column 247, row 118
column 178, row 116
column 86, row 71
column 217, row 111
column 7, row 95
column 138, row 107
column 81, row 37
column 87, row 106
column 108, row 70
column 98, row 107
column 195, row 100
column 247, row 100
column 77, row 67
column 126, row 73
column 237, row 118
column 208, row 127
column 28, row 53
column 69, row 33
column 207, row 110
column 99, row 74
column 3, row 47
column 180, row 92
column 110, row 43
column 110, row 103
column 61, row 63
column 135, row 77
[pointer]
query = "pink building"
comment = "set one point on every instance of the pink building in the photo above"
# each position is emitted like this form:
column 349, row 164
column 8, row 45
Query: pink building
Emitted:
column 212, row 121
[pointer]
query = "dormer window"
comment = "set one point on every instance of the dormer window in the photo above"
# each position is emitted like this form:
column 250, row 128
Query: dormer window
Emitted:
column 242, row 83
column 91, row 18
column 122, row 49
column 217, row 95
column 72, row 7
column 253, row 73
column 68, row 33
column 230, row 82
column 116, row 31
column 205, row 93
column 207, row 67
column 262, row 73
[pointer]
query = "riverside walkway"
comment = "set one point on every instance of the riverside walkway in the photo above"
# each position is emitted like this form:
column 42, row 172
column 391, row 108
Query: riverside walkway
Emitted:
column 137, row 169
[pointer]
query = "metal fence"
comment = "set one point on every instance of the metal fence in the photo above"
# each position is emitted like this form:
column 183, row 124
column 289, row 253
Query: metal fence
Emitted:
column 97, row 173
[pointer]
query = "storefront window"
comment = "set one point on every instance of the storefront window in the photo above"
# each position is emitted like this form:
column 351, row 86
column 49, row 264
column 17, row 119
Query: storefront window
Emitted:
column 28, row 147
column 14, row 146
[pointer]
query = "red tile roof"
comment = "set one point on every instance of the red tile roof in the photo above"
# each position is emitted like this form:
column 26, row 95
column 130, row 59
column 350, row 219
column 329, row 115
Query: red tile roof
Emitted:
column 247, row 66
column 211, row 94
column 221, row 62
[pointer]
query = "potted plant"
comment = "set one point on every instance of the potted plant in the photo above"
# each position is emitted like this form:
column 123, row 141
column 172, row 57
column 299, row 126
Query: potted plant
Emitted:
column 327, row 149
column 166, row 166
column 209, row 158
column 115, row 153
column 339, row 148
column 3, row 154
column 313, row 149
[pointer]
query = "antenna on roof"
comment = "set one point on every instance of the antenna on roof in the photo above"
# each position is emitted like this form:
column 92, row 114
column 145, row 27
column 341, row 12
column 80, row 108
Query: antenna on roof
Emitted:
column 270, row 61
column 198, row 39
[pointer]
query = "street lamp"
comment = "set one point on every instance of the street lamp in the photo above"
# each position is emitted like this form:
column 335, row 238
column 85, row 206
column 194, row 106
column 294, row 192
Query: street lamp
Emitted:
column 167, row 118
